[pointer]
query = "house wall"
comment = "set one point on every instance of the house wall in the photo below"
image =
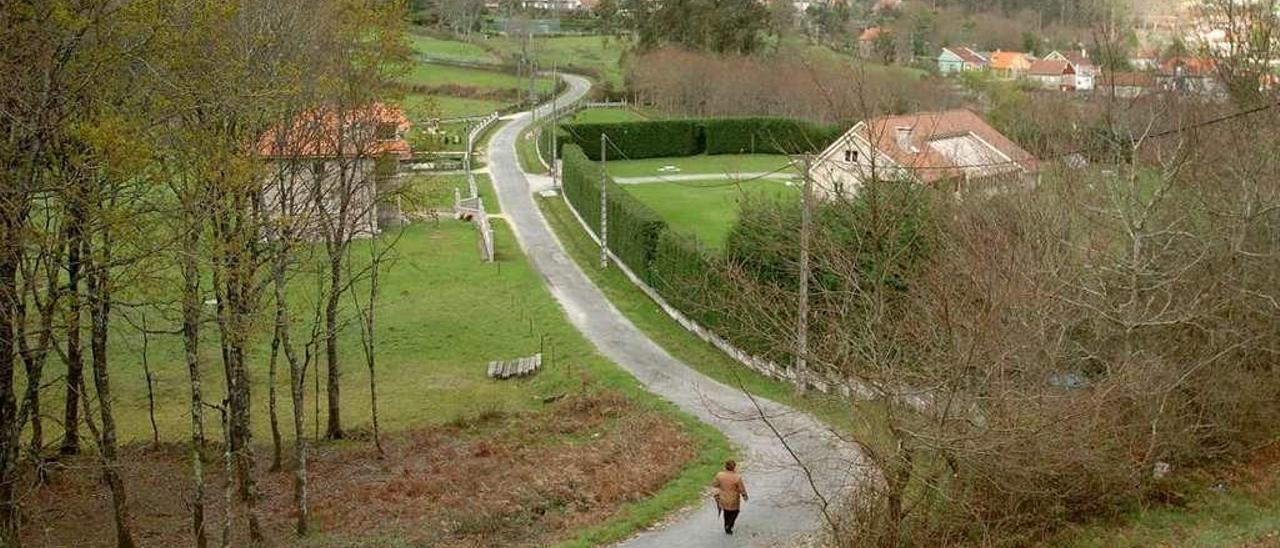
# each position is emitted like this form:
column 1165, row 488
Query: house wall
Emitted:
column 292, row 189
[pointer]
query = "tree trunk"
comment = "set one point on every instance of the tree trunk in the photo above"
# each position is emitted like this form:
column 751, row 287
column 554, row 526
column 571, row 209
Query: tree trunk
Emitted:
column 334, row 430
column 271, row 392
column 9, row 255
column 297, row 383
column 100, row 312
column 75, row 352
column 191, row 313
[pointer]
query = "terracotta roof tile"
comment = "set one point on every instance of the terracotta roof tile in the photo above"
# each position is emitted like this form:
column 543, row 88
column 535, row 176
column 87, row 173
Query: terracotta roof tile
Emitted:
column 929, row 163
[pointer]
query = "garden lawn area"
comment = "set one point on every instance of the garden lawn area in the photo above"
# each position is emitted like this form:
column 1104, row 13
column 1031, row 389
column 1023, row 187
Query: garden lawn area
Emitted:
column 430, row 191
column 606, row 116
column 706, row 209
column 430, row 74
column 421, row 107
column 703, row 164
column 449, row 49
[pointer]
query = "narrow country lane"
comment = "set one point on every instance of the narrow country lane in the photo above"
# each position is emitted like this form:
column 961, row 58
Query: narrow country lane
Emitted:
column 783, row 506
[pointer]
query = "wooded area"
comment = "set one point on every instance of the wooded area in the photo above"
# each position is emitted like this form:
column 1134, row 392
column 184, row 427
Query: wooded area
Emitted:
column 135, row 180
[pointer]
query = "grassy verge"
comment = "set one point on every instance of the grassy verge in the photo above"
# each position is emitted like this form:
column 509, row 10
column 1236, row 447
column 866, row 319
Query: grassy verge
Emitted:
column 674, row 339
column 527, row 151
column 1235, row 506
column 429, row 191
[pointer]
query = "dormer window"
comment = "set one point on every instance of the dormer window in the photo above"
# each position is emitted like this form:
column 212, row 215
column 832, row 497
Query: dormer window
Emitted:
column 851, row 156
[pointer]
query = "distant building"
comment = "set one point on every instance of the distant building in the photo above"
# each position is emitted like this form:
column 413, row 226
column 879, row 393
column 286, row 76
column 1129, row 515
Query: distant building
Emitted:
column 954, row 148
column 1053, row 74
column 1086, row 70
column 1010, row 64
column 1126, row 85
column 954, row 60
column 327, row 153
column 867, row 41
column 1193, row 75
column 1145, row 59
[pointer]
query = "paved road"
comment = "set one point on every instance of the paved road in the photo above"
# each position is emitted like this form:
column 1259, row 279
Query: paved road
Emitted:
column 783, row 507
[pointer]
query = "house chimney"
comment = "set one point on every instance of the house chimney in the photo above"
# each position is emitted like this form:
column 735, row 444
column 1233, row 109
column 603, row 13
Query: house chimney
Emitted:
column 904, row 139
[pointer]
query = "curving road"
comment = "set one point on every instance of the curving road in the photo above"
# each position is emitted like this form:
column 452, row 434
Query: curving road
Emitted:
column 783, row 507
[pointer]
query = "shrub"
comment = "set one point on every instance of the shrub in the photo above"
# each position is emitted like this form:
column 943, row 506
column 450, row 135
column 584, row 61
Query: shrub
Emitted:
column 636, row 140
column 766, row 136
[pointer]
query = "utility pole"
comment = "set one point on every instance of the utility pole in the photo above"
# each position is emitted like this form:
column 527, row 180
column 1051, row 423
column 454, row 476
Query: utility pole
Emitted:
column 802, row 318
column 604, row 204
column 555, row 120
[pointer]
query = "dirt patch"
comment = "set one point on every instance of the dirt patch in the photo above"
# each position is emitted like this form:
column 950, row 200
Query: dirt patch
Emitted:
column 489, row 480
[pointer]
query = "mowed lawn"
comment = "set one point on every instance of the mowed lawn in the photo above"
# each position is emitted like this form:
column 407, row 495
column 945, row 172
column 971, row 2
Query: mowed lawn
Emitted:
column 606, row 116
column 723, row 165
column 420, row 106
column 430, row 191
column 707, row 209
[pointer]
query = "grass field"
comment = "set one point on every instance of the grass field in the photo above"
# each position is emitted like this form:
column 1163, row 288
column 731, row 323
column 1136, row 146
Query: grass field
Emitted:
column 449, row 49
column 719, row 164
column 443, row 314
column 602, row 54
column 429, row 74
column 436, row 191
column 706, row 209
column 422, row 107
column 606, row 115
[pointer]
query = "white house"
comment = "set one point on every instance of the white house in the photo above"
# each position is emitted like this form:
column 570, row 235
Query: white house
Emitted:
column 1086, row 72
column 954, row 148
column 954, row 60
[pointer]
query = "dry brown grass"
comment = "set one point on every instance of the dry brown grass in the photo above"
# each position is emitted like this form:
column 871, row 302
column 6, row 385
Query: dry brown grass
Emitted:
column 493, row 479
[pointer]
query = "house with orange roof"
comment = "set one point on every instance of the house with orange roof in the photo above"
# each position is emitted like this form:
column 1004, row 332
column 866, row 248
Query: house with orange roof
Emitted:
column 1086, row 70
column 330, row 165
column 1010, row 64
column 954, row 149
column 867, row 41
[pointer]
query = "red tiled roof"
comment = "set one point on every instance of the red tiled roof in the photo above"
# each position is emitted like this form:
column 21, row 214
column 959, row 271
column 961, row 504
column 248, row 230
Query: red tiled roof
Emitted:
column 1126, row 79
column 1192, row 66
column 969, row 56
column 315, row 134
column 931, row 165
column 870, row 34
column 1050, row 67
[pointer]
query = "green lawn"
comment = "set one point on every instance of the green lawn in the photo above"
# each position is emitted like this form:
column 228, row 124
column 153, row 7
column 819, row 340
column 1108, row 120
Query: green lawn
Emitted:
column 429, row 74
column 706, row 209
column 606, row 115
column 421, row 107
column 449, row 49
column 719, row 164
column 436, row 191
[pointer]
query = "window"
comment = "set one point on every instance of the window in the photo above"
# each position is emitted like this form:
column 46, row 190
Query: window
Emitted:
column 851, row 156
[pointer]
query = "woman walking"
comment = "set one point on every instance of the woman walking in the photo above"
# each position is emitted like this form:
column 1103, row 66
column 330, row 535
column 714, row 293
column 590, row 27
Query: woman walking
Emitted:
column 730, row 491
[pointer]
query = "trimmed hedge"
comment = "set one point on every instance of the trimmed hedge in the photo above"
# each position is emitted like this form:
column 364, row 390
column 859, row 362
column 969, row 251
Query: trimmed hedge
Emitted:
column 636, row 140
column 766, row 136
column 690, row 137
column 634, row 229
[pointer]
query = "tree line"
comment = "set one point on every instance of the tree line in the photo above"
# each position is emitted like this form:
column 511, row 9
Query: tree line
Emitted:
column 136, row 138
